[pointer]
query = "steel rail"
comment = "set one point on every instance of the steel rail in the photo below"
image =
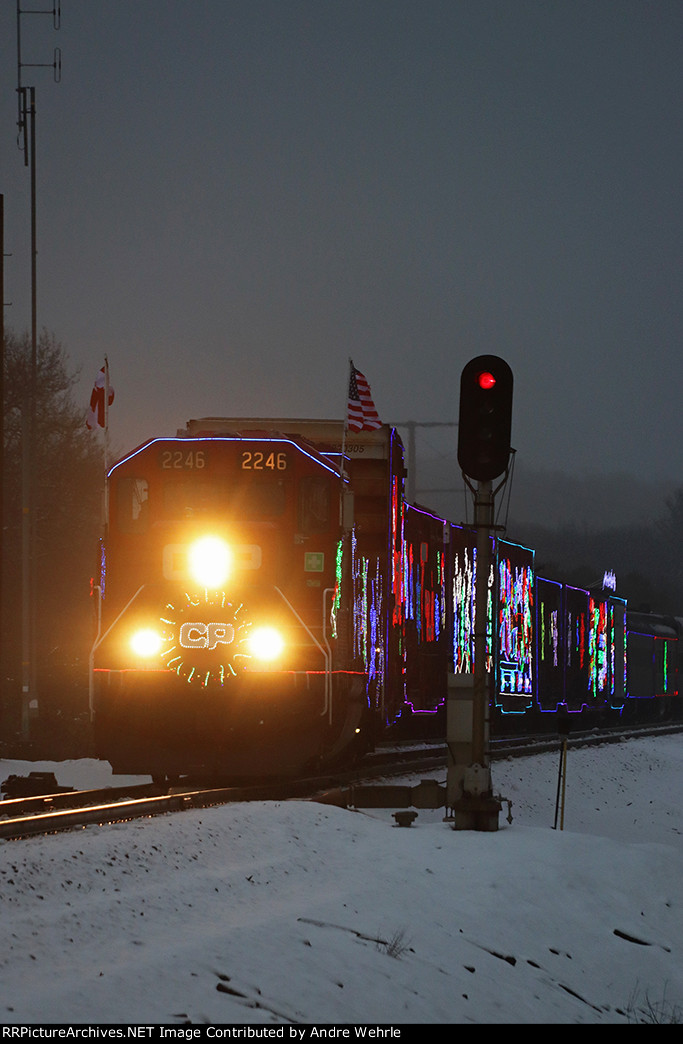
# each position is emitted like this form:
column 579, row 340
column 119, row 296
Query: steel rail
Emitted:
column 53, row 814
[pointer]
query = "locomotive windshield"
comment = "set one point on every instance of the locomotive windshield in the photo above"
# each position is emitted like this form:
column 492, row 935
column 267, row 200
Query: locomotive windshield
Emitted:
column 248, row 499
column 132, row 504
column 251, row 499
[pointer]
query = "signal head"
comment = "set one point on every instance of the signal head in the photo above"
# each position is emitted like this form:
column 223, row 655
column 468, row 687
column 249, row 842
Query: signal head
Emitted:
column 485, row 417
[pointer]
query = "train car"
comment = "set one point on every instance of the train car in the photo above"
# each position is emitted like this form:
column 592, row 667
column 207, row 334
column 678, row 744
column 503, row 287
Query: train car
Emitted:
column 580, row 650
column 247, row 599
column 425, row 618
column 653, row 651
column 510, row 657
column 515, row 632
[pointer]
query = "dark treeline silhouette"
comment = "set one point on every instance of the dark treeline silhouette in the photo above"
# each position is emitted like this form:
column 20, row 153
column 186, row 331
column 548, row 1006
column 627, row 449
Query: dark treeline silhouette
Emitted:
column 647, row 559
column 67, row 513
column 582, row 525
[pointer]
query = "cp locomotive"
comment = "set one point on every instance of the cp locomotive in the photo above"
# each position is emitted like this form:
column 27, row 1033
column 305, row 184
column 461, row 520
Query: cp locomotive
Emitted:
column 268, row 600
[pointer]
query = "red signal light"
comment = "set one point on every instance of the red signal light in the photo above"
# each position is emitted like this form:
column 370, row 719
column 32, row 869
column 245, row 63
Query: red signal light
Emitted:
column 485, row 418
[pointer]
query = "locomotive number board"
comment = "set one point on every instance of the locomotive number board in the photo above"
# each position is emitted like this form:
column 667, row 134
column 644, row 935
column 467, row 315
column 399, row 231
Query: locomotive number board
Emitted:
column 262, row 460
column 182, row 459
column 249, row 460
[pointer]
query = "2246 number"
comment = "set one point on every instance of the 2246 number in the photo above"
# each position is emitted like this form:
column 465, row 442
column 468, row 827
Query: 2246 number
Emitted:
column 182, row 459
column 263, row 461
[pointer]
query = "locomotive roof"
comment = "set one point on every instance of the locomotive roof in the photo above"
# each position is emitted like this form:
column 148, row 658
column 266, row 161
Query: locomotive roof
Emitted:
column 304, row 445
column 327, row 433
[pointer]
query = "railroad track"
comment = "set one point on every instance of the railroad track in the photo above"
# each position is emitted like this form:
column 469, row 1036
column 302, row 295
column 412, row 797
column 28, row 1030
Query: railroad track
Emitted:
column 23, row 817
column 52, row 813
column 518, row 746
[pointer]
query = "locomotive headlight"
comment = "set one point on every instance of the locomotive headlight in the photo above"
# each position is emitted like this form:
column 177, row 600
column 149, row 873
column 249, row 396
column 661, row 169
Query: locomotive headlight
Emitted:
column 210, row 561
column 265, row 643
column 146, row 642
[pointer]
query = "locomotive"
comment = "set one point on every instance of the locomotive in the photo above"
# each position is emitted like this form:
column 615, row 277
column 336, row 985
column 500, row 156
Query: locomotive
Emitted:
column 268, row 600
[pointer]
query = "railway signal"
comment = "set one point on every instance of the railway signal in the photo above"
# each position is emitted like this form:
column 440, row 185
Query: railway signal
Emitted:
column 483, row 454
column 485, row 418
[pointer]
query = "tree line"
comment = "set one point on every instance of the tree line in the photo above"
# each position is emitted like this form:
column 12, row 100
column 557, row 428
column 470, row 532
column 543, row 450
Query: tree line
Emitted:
column 66, row 511
column 647, row 558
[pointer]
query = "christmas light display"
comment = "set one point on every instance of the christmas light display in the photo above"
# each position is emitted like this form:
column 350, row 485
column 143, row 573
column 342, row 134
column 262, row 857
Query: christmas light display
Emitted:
column 550, row 631
column 515, row 624
column 205, row 638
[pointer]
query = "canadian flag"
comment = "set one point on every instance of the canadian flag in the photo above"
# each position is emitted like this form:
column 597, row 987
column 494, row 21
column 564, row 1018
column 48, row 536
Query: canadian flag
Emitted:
column 96, row 413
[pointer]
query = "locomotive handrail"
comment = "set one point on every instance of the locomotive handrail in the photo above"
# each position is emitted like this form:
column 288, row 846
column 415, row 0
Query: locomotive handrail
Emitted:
column 91, row 655
column 330, row 591
column 99, row 638
column 327, row 656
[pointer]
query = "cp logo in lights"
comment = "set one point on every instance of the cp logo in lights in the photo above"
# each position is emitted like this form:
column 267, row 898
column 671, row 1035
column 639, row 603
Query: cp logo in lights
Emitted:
column 205, row 639
column 200, row 635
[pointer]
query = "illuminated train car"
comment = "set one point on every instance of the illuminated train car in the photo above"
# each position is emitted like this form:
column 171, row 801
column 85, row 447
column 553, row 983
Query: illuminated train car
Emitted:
column 424, row 617
column 510, row 648
column 580, row 649
column 553, row 647
column 516, row 674
column 243, row 622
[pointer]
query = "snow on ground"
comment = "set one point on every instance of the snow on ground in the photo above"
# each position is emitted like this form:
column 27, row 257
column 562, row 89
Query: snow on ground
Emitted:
column 301, row 913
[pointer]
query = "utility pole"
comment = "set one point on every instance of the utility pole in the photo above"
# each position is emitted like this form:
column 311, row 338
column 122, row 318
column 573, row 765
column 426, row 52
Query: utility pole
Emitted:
column 2, row 415
column 26, row 140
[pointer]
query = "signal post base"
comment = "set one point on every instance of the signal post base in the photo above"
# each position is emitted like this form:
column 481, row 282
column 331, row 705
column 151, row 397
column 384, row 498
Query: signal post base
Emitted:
column 475, row 812
column 470, row 802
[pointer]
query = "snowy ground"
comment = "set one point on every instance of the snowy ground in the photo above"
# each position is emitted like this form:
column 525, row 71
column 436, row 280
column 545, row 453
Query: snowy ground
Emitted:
column 299, row 913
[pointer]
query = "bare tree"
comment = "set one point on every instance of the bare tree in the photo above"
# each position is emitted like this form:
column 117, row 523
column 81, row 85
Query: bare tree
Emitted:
column 66, row 510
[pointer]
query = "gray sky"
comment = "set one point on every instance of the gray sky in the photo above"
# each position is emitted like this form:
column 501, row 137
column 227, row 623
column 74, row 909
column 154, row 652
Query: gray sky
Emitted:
column 234, row 196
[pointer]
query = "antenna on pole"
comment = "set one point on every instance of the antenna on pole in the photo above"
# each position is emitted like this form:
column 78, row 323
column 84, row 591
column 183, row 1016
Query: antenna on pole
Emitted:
column 55, row 65
column 411, row 425
column 26, row 142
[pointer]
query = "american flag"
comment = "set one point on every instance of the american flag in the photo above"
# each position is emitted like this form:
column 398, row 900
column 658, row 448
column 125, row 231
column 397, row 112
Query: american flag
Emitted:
column 362, row 414
column 96, row 413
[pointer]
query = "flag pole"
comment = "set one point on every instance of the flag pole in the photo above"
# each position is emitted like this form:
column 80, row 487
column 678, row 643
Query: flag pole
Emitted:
column 106, row 441
column 342, row 463
column 104, row 529
column 346, row 413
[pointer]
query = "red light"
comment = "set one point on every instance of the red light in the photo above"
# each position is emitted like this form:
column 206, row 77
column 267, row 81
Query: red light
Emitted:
column 486, row 380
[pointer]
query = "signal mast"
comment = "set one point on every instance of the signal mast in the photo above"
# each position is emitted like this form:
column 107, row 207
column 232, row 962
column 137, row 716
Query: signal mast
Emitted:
column 483, row 454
